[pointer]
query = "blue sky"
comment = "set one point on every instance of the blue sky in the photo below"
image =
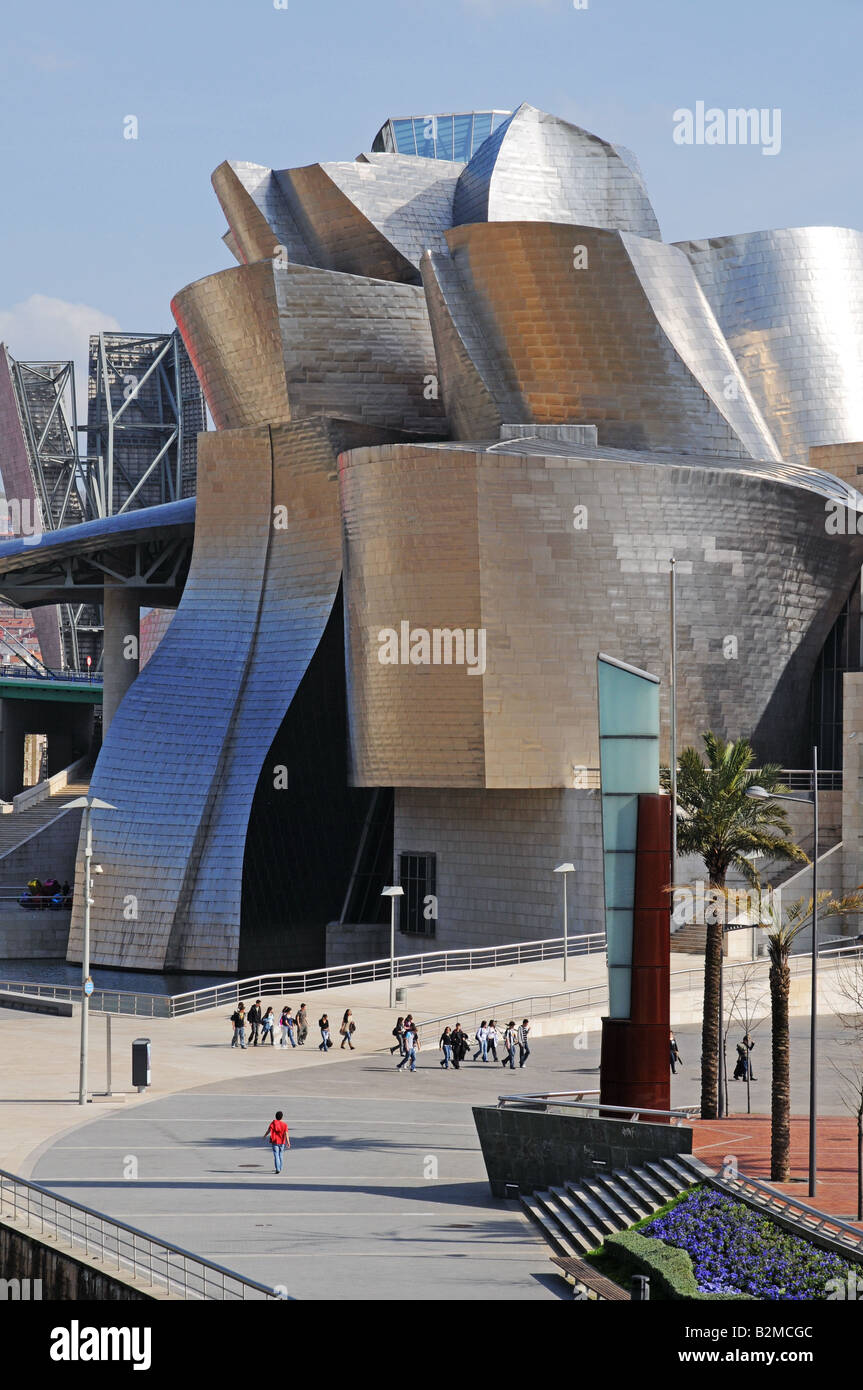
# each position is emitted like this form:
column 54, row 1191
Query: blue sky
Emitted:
column 99, row 231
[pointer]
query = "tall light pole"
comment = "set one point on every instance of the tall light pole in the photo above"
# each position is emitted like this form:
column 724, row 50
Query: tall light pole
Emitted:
column 760, row 793
column 672, row 695
column 565, row 869
column 392, row 894
column 89, row 803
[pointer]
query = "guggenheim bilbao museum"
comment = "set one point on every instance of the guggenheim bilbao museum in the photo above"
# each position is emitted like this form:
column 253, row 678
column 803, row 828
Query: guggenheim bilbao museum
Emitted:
column 468, row 404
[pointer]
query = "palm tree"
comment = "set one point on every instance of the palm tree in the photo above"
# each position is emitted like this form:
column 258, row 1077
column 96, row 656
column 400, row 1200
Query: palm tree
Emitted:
column 717, row 820
column 780, row 938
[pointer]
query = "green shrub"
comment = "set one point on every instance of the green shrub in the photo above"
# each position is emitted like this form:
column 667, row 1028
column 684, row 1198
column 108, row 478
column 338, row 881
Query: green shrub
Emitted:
column 668, row 1268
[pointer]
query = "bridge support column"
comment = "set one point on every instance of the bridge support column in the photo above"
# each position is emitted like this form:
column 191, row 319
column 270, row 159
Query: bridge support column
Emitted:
column 122, row 610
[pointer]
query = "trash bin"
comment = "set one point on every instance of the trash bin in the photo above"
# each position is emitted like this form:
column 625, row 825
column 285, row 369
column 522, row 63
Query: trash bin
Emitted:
column 401, row 995
column 141, row 1063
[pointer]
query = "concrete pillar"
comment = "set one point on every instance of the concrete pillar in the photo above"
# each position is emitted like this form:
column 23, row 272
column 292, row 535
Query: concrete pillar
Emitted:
column 122, row 610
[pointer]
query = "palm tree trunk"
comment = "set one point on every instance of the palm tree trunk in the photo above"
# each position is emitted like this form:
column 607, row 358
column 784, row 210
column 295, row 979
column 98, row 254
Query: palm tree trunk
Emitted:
column 860, row 1163
column 711, row 1022
column 780, row 1087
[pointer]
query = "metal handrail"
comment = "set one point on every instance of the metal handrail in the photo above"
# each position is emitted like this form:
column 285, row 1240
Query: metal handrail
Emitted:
column 159, row 1262
column 363, row 972
column 633, row 1112
column 767, row 1197
column 117, row 1001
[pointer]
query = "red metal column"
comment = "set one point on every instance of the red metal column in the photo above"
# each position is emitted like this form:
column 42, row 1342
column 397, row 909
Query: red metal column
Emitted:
column 634, row 1067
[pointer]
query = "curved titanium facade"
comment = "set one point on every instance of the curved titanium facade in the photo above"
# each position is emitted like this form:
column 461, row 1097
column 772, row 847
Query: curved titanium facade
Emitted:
column 184, row 753
column 546, row 324
column 790, row 304
column 538, row 168
column 272, row 345
column 492, row 544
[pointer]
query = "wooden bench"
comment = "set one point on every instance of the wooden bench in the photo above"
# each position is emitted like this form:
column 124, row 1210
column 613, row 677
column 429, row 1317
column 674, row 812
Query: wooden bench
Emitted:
column 577, row 1271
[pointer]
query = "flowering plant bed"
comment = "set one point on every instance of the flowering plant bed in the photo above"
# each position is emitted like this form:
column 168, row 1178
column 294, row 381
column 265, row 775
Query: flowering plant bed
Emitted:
column 735, row 1249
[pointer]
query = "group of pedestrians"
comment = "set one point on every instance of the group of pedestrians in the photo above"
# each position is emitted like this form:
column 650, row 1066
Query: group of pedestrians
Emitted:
column 346, row 1032
column 454, row 1043
column 743, row 1069
column 293, row 1028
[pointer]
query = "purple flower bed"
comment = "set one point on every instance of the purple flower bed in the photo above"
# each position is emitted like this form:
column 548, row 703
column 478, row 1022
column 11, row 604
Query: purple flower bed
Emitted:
column 737, row 1250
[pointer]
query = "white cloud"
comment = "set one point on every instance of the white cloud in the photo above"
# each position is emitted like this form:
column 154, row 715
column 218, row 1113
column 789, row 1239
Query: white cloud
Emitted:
column 42, row 329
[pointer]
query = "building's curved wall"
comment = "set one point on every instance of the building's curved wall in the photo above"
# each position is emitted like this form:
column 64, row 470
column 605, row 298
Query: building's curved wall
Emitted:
column 568, row 324
column 492, row 543
column 341, row 236
column 302, row 576
column 275, row 344
column 790, row 304
column 373, row 216
column 161, row 758
column 537, row 167
column 183, row 755
column 230, row 325
column 257, row 213
column 358, row 348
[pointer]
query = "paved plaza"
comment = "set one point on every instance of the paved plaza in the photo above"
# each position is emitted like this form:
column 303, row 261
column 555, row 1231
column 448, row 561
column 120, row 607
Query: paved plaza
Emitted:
column 384, row 1189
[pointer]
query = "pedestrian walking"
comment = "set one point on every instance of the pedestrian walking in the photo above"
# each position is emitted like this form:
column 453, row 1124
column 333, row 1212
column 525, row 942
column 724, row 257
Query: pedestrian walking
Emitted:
column 456, row 1037
column 509, row 1042
column 255, row 1022
column 675, row 1055
column 481, row 1036
column 749, row 1044
column 268, row 1027
column 399, row 1035
column 492, row 1039
column 277, row 1135
column 286, row 1023
column 238, row 1018
column 302, row 1022
column 523, row 1044
column 462, row 1049
column 326, row 1041
column 412, row 1044
column 348, row 1029
column 740, row 1066
column 445, row 1045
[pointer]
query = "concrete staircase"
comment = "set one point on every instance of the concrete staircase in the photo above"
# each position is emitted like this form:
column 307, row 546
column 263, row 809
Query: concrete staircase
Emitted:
column 577, row 1217
column 20, row 825
column 690, row 939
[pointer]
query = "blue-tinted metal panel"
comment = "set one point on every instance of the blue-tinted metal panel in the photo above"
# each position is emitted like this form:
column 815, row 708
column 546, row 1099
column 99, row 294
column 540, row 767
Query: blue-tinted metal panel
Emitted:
column 629, row 765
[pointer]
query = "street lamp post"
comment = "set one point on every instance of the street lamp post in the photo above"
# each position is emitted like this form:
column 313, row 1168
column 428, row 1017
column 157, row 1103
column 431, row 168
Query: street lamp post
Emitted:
column 89, row 804
column 392, row 894
column 565, row 869
column 761, row 794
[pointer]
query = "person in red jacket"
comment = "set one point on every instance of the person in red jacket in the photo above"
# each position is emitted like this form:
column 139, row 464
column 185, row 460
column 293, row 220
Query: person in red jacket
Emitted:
column 277, row 1134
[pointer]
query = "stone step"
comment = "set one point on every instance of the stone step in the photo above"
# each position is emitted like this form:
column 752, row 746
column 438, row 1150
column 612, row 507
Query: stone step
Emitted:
column 573, row 1226
column 643, row 1194
column 602, row 1219
column 549, row 1227
column 658, row 1190
column 665, row 1178
column 681, row 1174
column 605, row 1192
column 696, row 1166
column 582, row 1221
column 637, row 1206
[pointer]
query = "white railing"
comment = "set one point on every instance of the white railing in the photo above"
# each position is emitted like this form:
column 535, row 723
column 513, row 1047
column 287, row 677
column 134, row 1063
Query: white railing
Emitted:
column 124, row 1248
column 405, row 968
column 308, row 981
